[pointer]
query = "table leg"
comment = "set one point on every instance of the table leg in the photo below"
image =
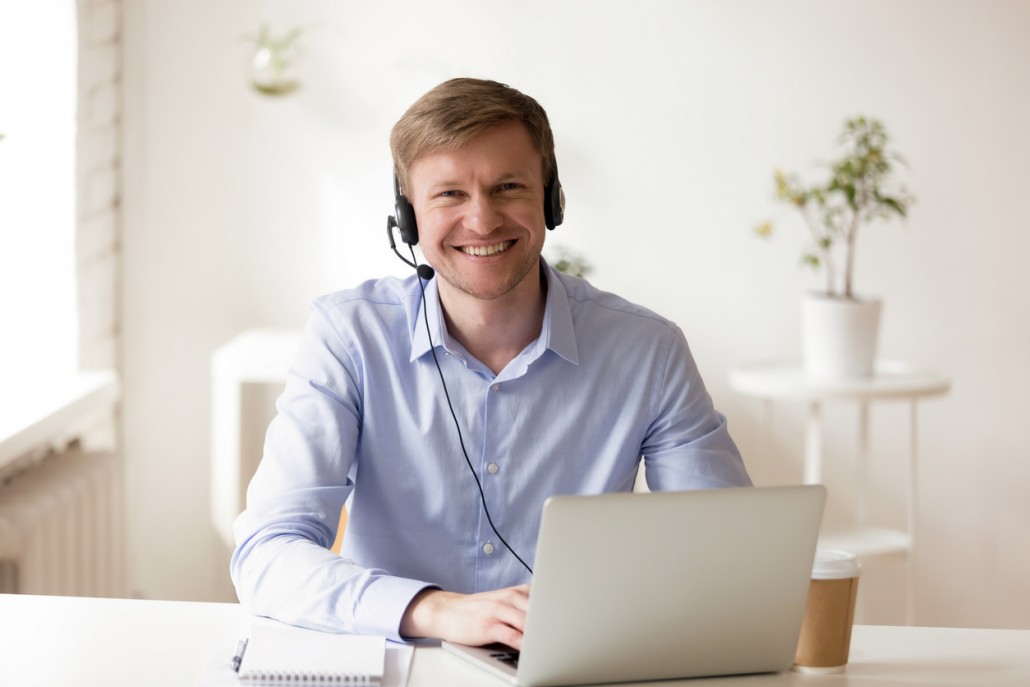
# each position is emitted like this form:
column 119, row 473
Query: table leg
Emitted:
column 767, row 415
column 862, row 468
column 913, row 510
column 814, row 445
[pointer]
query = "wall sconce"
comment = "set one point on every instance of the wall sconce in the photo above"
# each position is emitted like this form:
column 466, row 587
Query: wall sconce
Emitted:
column 275, row 65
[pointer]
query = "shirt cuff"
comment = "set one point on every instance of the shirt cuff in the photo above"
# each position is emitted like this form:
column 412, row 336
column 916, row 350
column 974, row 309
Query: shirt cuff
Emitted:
column 383, row 604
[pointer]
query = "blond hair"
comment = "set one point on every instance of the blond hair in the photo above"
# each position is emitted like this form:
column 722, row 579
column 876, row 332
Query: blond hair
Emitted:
column 457, row 111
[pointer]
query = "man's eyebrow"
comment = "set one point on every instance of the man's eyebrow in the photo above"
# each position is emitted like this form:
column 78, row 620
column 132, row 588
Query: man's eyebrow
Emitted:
column 443, row 184
column 511, row 175
column 448, row 183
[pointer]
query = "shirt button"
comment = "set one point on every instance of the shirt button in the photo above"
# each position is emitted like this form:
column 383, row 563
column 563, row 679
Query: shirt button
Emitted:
column 492, row 468
column 496, row 387
column 488, row 549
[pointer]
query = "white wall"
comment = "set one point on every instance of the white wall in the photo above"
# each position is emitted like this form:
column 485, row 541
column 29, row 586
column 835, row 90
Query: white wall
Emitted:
column 670, row 117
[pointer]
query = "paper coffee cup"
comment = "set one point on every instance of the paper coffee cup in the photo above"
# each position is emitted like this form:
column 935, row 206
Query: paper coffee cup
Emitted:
column 825, row 640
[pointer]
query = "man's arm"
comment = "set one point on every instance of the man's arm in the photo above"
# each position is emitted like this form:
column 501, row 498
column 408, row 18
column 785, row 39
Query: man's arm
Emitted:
column 688, row 445
column 297, row 581
column 282, row 566
column 473, row 619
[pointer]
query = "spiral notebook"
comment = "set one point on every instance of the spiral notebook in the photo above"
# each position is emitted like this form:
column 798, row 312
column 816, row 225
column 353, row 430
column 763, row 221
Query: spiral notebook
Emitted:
column 284, row 655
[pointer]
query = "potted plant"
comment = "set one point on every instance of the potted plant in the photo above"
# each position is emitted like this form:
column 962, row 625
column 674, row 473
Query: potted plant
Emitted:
column 569, row 261
column 840, row 329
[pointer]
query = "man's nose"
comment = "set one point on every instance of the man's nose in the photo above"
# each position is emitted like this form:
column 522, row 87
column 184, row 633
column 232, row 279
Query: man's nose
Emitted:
column 483, row 215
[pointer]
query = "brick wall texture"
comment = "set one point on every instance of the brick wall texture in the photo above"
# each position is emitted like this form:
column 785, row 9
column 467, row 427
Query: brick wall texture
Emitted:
column 99, row 175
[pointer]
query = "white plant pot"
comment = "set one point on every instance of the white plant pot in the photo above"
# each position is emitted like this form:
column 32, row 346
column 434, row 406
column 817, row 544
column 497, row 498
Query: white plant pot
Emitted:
column 839, row 337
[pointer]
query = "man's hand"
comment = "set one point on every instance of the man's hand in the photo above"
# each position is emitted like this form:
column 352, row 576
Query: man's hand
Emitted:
column 473, row 619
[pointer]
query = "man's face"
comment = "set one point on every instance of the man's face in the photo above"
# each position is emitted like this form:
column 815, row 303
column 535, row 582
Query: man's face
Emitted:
column 480, row 212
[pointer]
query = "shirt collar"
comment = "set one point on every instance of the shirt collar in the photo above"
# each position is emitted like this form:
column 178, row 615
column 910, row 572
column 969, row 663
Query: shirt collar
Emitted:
column 557, row 334
column 427, row 307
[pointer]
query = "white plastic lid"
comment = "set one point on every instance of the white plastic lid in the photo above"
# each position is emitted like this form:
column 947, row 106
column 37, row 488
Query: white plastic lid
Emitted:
column 831, row 564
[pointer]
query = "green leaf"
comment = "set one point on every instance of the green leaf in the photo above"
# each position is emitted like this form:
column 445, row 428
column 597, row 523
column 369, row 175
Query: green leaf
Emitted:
column 894, row 205
column 765, row 229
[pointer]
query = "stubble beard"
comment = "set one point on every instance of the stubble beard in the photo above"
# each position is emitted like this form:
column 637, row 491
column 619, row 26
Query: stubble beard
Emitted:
column 492, row 290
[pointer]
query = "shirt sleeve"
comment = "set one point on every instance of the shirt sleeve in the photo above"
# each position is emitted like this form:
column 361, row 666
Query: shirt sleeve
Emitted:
column 282, row 566
column 688, row 445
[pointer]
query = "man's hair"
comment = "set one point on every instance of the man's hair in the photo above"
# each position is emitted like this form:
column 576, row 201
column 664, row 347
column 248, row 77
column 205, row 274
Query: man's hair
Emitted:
column 457, row 111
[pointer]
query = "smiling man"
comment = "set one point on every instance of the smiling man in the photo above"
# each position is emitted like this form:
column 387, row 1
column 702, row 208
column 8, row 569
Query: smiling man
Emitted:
column 448, row 409
column 480, row 211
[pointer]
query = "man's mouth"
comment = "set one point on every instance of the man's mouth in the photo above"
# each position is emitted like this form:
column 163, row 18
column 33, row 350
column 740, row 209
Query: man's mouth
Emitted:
column 485, row 251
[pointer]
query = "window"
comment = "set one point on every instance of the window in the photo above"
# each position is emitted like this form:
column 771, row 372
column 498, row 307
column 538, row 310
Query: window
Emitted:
column 38, row 324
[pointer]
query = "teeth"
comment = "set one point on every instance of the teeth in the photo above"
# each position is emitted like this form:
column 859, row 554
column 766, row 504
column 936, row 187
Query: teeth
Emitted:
column 483, row 251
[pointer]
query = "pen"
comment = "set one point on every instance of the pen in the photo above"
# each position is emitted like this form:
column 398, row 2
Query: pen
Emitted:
column 241, row 648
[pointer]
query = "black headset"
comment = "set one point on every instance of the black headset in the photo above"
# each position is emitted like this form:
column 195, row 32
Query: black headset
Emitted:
column 404, row 214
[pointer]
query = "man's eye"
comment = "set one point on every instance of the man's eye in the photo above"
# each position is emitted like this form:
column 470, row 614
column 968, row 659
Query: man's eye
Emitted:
column 510, row 186
column 448, row 194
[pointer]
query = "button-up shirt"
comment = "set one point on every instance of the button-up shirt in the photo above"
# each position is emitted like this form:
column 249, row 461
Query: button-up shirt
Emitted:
column 364, row 420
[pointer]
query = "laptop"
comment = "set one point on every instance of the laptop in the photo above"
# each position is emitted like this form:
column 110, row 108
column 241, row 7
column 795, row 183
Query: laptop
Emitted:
column 637, row 587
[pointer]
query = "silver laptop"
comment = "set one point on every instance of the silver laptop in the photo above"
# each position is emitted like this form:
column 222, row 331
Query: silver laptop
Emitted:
column 635, row 587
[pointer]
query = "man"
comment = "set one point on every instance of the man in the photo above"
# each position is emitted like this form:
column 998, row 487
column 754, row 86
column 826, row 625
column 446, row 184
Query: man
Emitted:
column 555, row 387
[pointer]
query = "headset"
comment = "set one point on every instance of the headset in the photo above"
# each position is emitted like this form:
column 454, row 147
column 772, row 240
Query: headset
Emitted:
column 403, row 220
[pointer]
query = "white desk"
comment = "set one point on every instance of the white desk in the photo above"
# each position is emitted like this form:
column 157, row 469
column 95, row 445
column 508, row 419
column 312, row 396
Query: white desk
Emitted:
column 57, row 641
column 891, row 381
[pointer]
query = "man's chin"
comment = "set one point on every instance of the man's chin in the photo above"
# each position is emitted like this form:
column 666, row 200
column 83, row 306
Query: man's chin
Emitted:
column 487, row 287
column 484, row 292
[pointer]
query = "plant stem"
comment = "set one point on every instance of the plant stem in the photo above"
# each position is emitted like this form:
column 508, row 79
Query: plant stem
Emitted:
column 849, row 256
column 849, row 237
column 827, row 256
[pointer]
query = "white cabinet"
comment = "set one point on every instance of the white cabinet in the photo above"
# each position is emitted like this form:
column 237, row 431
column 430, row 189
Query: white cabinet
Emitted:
column 255, row 357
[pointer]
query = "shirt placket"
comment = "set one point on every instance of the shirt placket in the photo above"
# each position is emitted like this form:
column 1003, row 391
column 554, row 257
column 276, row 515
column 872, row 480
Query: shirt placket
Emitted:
column 490, row 469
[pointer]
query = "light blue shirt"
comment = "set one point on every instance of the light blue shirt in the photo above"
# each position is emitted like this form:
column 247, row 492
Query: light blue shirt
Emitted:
column 363, row 416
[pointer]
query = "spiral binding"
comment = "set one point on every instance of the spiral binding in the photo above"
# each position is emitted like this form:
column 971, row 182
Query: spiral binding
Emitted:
column 274, row 677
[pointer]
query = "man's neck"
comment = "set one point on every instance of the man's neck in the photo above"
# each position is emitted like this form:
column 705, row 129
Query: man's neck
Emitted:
column 498, row 330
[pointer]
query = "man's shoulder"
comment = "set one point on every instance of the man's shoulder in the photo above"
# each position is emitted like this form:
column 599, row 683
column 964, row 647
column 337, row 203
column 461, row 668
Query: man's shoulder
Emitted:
column 377, row 308
column 385, row 293
column 585, row 299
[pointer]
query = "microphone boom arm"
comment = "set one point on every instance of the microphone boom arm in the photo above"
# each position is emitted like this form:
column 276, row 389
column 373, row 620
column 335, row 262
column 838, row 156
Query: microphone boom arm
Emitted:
column 391, row 223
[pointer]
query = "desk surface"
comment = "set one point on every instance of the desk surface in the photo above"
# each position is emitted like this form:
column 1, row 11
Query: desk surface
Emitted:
column 52, row 641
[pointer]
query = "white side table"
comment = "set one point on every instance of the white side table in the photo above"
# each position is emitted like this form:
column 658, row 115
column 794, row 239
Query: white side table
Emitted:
column 891, row 380
column 257, row 356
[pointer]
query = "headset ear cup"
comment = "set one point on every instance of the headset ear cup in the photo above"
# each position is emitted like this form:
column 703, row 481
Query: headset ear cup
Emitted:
column 406, row 224
column 554, row 203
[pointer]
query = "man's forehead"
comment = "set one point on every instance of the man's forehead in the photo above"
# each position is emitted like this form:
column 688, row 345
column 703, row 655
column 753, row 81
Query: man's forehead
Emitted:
column 502, row 151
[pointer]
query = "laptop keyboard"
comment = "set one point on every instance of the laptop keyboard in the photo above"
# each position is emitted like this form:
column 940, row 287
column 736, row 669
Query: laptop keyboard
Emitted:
column 509, row 657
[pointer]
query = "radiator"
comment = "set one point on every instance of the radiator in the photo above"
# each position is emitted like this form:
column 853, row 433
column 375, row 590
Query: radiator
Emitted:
column 61, row 527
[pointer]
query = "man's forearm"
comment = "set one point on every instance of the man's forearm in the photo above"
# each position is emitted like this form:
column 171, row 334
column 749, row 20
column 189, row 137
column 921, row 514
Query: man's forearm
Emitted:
column 301, row 583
